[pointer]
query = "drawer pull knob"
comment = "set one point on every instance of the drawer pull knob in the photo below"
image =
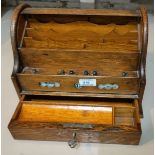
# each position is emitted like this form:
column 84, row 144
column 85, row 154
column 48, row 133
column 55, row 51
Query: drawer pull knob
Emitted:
column 73, row 142
column 108, row 86
column 49, row 84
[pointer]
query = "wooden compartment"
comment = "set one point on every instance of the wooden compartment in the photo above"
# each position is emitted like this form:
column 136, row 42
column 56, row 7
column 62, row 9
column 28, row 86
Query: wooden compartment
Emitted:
column 108, row 44
column 55, row 42
column 81, row 33
column 60, row 40
column 36, row 116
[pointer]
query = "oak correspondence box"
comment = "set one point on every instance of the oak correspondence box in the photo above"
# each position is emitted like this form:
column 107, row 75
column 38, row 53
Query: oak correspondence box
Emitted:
column 79, row 74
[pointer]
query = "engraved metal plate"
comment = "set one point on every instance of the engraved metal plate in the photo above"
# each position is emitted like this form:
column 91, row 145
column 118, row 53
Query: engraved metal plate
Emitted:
column 87, row 82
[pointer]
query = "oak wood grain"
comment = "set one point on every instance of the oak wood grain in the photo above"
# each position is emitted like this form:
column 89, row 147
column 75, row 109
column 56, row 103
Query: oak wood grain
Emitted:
column 31, row 82
column 16, row 29
column 104, row 12
column 111, row 42
column 73, row 111
column 80, row 34
column 144, row 42
column 83, row 60
column 105, row 72
column 36, row 129
column 48, row 132
column 66, row 114
column 80, row 94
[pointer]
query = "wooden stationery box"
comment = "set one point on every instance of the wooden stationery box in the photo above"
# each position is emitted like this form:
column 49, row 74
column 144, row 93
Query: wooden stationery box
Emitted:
column 79, row 74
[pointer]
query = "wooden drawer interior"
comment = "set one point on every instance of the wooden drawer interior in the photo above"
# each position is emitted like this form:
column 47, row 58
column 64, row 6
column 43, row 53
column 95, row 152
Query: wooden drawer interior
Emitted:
column 114, row 121
column 111, row 112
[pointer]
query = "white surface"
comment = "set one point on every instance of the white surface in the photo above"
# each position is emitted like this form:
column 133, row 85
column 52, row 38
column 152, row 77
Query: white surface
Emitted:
column 87, row 1
column 20, row 147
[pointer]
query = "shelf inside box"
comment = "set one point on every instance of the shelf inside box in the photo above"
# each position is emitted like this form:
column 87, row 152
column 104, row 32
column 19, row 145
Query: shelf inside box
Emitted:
column 81, row 32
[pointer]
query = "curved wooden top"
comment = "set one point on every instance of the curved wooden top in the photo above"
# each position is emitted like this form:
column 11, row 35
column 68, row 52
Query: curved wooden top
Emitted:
column 144, row 40
column 13, row 33
column 106, row 12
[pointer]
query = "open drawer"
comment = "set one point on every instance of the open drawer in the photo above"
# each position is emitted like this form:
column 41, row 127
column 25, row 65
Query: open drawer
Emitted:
column 75, row 120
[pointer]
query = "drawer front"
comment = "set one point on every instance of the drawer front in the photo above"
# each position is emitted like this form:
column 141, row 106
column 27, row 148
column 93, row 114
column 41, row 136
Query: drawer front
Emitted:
column 49, row 132
column 104, row 121
column 78, row 84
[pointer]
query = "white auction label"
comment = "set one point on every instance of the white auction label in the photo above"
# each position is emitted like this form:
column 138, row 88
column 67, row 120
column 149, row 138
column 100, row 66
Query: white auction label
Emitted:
column 87, row 82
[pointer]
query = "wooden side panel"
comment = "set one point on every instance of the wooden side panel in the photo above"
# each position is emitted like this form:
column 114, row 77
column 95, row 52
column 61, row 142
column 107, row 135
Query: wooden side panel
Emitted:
column 16, row 85
column 20, row 29
column 16, row 31
column 124, row 116
column 144, row 36
column 67, row 84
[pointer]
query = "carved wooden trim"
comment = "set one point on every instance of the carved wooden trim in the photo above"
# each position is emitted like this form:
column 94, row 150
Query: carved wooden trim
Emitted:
column 144, row 37
column 144, row 40
column 13, row 33
column 14, row 42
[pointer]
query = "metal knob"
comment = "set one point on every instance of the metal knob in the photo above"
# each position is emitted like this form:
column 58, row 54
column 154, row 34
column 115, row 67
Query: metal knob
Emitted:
column 108, row 86
column 94, row 73
column 71, row 72
column 86, row 72
column 73, row 142
column 49, row 84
